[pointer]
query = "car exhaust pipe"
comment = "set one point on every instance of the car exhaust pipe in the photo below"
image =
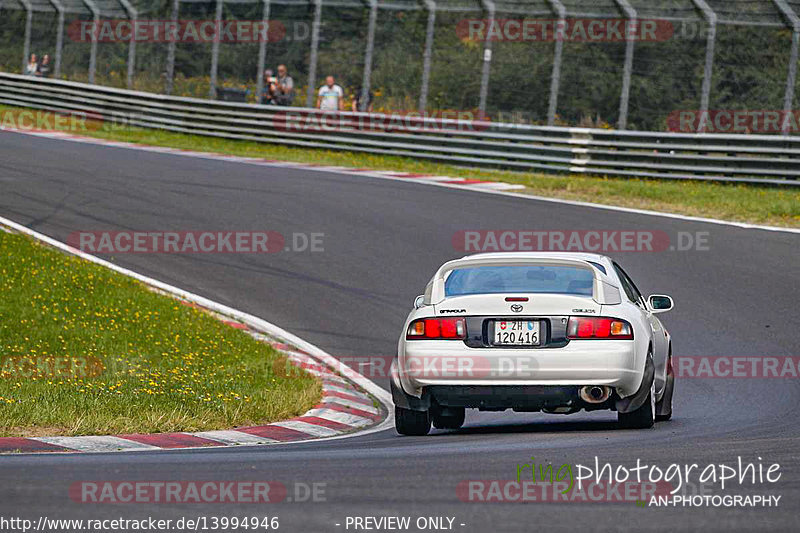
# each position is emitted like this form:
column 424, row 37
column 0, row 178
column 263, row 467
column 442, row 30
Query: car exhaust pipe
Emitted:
column 594, row 393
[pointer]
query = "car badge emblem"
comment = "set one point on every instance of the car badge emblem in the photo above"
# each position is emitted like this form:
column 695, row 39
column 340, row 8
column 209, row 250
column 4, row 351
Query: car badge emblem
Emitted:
column 516, row 308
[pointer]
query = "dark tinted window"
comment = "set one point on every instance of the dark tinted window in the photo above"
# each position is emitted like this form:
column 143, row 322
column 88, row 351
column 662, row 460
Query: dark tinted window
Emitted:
column 503, row 279
column 628, row 286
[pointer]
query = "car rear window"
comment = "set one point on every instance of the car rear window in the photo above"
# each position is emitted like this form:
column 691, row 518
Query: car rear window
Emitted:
column 503, row 279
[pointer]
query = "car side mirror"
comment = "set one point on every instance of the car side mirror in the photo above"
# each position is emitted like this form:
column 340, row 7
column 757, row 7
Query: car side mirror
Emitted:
column 660, row 303
column 419, row 301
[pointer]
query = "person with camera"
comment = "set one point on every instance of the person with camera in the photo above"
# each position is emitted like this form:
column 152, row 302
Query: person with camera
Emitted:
column 284, row 87
column 270, row 88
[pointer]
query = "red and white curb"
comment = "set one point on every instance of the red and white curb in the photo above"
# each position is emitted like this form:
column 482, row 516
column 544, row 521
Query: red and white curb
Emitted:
column 444, row 180
column 351, row 404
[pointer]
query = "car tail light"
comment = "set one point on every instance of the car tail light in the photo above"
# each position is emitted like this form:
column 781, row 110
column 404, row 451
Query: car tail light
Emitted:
column 437, row 328
column 586, row 327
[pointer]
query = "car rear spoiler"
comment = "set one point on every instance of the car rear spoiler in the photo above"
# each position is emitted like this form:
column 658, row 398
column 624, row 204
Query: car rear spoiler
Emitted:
column 604, row 291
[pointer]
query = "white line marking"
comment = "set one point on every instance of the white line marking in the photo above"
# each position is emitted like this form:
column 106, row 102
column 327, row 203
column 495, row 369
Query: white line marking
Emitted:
column 232, row 437
column 97, row 444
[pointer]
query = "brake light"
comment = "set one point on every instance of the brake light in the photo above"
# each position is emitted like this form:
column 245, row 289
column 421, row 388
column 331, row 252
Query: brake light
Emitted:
column 437, row 328
column 585, row 327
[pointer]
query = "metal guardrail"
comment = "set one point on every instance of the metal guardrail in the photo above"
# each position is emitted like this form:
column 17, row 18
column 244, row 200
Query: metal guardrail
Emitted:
column 761, row 159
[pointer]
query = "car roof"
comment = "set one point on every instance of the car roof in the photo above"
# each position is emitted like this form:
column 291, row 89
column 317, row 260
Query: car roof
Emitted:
column 585, row 256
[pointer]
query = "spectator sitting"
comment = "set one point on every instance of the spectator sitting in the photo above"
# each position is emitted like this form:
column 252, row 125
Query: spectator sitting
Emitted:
column 270, row 86
column 330, row 96
column 284, row 89
column 33, row 66
column 44, row 67
column 357, row 101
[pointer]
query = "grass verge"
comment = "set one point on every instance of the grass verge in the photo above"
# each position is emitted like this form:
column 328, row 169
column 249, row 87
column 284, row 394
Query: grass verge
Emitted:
column 734, row 202
column 85, row 350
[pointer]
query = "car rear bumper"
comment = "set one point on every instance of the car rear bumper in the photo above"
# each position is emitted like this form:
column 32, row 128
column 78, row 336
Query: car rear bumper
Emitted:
column 445, row 366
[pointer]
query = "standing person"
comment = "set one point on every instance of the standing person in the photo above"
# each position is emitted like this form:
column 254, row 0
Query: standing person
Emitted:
column 33, row 66
column 330, row 96
column 284, row 89
column 44, row 67
column 270, row 87
column 357, row 100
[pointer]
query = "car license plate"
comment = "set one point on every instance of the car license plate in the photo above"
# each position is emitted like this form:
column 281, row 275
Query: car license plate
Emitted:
column 516, row 333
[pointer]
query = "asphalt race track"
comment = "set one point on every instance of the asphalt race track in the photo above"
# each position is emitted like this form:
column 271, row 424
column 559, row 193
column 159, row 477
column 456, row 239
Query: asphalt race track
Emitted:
column 382, row 241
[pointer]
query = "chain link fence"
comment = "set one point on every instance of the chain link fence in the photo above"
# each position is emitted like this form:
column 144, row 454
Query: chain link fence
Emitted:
column 682, row 65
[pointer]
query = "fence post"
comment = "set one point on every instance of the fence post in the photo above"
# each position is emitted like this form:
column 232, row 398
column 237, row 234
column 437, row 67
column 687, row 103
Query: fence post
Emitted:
column 365, row 84
column 170, row 67
column 631, row 30
column 59, row 37
column 212, row 90
column 262, row 51
column 711, row 18
column 26, row 47
column 312, row 64
column 488, row 6
column 791, row 76
column 90, row 5
column 555, row 80
column 132, row 15
column 427, row 55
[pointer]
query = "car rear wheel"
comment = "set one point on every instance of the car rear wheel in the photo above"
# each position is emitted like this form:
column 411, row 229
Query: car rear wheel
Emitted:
column 645, row 416
column 664, row 405
column 448, row 418
column 408, row 422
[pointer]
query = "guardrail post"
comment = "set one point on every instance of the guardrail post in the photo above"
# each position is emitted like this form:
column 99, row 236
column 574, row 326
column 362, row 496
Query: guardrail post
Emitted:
column 170, row 67
column 132, row 15
column 711, row 18
column 791, row 76
column 212, row 90
column 488, row 6
column 59, row 38
column 555, row 79
column 631, row 31
column 365, row 84
column 26, row 47
column 95, row 28
column 262, row 51
column 312, row 64
column 427, row 55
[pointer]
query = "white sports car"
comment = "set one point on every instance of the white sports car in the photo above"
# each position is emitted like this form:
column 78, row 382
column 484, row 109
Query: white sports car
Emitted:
column 539, row 331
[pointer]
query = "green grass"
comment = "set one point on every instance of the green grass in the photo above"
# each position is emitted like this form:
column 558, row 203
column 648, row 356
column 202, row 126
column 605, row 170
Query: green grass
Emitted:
column 85, row 350
column 741, row 202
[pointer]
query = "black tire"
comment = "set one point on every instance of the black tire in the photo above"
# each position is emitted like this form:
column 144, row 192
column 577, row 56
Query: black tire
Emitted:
column 408, row 422
column 642, row 418
column 453, row 420
column 664, row 405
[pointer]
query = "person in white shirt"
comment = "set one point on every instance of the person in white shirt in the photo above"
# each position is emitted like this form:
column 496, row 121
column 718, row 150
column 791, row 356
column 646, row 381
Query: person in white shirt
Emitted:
column 330, row 96
column 33, row 66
